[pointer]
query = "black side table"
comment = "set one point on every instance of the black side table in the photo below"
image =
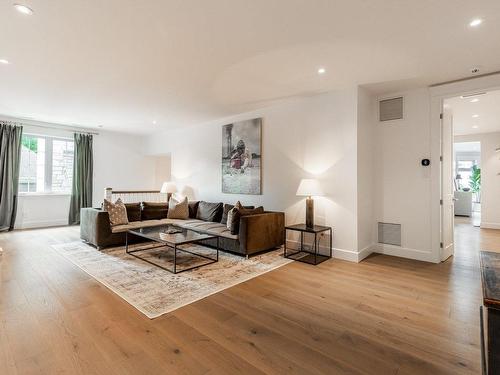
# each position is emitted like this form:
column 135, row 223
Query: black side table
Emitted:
column 310, row 257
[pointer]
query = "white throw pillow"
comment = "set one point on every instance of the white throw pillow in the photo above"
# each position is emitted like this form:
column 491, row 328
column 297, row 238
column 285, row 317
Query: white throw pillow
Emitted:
column 178, row 209
column 117, row 212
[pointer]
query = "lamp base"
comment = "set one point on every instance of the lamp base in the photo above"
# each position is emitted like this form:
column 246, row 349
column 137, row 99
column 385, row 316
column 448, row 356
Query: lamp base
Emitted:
column 309, row 212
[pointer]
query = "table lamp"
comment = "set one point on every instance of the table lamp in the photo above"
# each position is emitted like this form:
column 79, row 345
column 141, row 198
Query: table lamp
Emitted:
column 168, row 188
column 309, row 187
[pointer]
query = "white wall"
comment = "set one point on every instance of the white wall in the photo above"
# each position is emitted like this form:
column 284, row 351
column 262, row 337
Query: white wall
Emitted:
column 406, row 192
column 490, row 179
column 162, row 170
column 119, row 162
column 366, row 173
column 402, row 185
column 311, row 137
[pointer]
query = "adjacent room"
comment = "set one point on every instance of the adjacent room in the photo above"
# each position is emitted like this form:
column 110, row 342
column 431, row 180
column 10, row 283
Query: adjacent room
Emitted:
column 467, row 184
column 264, row 187
column 474, row 122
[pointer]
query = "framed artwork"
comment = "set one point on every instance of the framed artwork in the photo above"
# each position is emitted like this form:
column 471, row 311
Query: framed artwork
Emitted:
column 242, row 157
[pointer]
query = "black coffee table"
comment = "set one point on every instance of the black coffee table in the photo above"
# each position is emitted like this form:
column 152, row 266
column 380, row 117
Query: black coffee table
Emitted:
column 171, row 243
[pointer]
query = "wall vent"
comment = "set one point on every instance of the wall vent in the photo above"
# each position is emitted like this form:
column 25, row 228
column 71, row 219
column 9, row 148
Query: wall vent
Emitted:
column 389, row 234
column 391, row 109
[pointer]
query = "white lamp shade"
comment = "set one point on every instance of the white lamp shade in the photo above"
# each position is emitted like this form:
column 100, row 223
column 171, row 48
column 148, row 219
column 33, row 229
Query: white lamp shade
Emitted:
column 168, row 187
column 309, row 187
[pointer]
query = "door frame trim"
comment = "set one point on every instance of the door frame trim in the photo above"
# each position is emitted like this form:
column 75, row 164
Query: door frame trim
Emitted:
column 438, row 94
column 444, row 252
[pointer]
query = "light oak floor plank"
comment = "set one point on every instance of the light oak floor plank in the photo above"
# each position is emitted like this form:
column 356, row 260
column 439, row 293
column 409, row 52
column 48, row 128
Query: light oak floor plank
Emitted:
column 385, row 315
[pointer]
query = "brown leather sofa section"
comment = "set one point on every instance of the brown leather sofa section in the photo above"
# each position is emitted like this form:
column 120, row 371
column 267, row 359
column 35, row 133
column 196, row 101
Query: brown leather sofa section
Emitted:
column 95, row 228
column 257, row 233
column 261, row 232
column 133, row 211
column 154, row 211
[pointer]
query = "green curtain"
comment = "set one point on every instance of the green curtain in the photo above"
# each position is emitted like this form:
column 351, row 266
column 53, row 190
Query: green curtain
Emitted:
column 81, row 193
column 10, row 157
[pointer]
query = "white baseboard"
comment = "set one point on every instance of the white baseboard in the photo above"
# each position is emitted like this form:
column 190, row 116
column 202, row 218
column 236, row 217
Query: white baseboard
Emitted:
column 358, row 256
column 41, row 224
column 349, row 255
column 404, row 252
column 363, row 253
column 490, row 225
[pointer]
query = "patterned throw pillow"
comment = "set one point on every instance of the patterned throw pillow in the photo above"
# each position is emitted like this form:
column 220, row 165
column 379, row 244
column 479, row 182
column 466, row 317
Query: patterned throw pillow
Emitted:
column 117, row 212
column 178, row 209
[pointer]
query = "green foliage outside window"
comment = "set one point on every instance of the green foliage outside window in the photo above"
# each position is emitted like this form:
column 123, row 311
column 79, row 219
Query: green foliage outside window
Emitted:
column 475, row 182
column 30, row 143
column 475, row 179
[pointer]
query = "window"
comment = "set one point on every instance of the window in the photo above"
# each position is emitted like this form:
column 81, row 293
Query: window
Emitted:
column 46, row 164
column 463, row 168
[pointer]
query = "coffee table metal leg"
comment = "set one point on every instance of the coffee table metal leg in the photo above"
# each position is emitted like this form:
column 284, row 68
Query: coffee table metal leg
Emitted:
column 175, row 259
column 218, row 248
column 331, row 240
column 126, row 242
column 315, row 248
column 284, row 242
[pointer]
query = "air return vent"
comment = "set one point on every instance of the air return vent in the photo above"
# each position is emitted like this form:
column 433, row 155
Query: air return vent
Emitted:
column 389, row 234
column 391, row 109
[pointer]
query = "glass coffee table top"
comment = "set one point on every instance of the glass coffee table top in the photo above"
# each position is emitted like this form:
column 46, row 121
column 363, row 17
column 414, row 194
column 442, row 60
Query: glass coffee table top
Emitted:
column 174, row 247
column 159, row 234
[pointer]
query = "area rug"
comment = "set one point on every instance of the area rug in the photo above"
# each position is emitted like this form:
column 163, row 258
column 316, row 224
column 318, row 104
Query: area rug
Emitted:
column 154, row 291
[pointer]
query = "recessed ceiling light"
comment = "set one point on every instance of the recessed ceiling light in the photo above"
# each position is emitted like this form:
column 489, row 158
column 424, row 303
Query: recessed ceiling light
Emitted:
column 475, row 116
column 475, row 127
column 321, row 71
column 3, row 61
column 475, row 100
column 154, row 122
column 475, row 22
column 23, row 9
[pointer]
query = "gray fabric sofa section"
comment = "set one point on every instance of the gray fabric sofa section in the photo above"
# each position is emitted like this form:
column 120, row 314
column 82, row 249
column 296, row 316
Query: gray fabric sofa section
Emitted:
column 257, row 232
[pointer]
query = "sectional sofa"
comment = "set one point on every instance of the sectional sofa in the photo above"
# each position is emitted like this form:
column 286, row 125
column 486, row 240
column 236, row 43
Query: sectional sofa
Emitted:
column 257, row 232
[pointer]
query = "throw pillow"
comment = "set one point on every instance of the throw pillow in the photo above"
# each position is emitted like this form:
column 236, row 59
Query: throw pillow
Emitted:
column 233, row 221
column 154, row 210
column 209, row 211
column 133, row 211
column 117, row 212
column 227, row 208
column 193, row 209
column 231, row 218
column 178, row 209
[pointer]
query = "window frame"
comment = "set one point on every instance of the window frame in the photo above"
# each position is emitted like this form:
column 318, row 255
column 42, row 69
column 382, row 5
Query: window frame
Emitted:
column 48, row 165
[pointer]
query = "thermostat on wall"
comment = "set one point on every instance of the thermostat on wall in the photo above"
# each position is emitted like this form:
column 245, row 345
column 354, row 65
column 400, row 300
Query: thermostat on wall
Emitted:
column 425, row 162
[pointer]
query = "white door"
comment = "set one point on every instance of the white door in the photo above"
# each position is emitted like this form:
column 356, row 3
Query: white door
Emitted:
column 447, row 186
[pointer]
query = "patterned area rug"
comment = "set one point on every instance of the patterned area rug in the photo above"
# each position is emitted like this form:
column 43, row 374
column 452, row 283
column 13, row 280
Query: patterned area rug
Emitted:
column 154, row 291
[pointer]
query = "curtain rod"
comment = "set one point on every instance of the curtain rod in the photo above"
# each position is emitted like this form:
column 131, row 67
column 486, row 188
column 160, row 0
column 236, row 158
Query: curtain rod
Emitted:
column 48, row 126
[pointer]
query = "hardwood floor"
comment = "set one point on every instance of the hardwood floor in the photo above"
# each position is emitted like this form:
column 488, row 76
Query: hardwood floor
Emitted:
column 383, row 316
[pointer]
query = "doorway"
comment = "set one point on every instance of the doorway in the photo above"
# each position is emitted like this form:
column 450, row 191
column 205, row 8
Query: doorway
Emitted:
column 467, row 181
column 471, row 165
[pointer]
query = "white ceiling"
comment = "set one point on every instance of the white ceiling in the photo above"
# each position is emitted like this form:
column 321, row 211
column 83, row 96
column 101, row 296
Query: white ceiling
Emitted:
column 124, row 63
column 487, row 108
